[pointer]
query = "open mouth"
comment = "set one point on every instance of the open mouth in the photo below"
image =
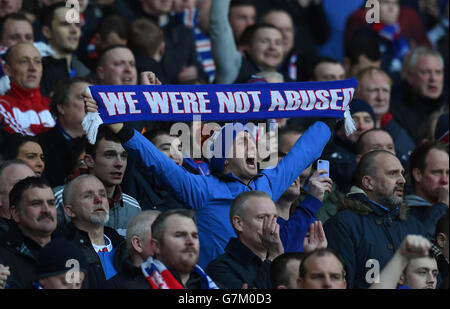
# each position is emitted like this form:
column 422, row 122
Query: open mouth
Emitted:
column 117, row 175
column 127, row 80
column 251, row 163
column 399, row 192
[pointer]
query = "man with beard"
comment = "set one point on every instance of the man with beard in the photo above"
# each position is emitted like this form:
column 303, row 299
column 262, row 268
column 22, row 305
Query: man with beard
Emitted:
column 86, row 203
column 33, row 213
column 63, row 38
column 176, row 244
column 107, row 160
column 370, row 225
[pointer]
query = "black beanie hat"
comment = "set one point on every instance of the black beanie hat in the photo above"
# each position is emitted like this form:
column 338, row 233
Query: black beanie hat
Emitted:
column 54, row 258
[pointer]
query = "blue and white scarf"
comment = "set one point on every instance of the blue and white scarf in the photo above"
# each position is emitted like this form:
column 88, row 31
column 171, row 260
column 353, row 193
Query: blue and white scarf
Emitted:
column 236, row 102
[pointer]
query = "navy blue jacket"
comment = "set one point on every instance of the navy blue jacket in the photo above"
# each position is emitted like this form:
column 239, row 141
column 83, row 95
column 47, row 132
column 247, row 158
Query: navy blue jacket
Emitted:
column 362, row 231
column 293, row 231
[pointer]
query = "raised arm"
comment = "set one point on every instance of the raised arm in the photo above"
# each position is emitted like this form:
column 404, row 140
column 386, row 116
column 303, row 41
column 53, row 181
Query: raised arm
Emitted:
column 306, row 150
column 227, row 58
column 189, row 189
column 413, row 246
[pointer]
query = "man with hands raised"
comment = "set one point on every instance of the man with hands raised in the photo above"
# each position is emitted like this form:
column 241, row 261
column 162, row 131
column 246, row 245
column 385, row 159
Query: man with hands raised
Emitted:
column 410, row 267
column 247, row 258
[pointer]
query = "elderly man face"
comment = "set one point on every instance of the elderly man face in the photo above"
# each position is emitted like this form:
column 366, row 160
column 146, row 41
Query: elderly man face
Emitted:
column 89, row 203
column 24, row 66
column 375, row 89
column 427, row 77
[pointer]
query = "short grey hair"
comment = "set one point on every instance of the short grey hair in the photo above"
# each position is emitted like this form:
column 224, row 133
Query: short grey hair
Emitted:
column 241, row 201
column 412, row 59
column 69, row 191
column 140, row 226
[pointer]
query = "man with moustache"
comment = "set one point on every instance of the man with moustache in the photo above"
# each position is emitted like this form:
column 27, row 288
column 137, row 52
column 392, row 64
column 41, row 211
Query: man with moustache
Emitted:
column 33, row 213
column 86, row 203
column 369, row 227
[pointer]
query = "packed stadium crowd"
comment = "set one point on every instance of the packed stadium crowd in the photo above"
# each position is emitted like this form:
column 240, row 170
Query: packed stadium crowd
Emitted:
column 137, row 209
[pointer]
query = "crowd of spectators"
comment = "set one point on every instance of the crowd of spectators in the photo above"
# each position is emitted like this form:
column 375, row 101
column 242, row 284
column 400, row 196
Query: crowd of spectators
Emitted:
column 137, row 210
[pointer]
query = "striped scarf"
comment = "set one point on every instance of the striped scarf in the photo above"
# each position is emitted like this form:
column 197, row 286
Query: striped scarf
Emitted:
column 159, row 277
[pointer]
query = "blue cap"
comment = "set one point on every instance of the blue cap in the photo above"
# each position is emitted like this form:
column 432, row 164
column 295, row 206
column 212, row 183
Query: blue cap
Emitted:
column 221, row 143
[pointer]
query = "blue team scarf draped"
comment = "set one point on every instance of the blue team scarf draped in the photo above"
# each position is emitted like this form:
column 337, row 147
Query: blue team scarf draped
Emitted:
column 159, row 277
column 226, row 103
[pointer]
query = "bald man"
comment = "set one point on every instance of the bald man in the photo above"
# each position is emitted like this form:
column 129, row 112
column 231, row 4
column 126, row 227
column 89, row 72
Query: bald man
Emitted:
column 23, row 109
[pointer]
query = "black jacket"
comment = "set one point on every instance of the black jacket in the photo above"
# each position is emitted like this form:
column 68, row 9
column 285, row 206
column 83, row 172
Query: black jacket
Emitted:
column 55, row 70
column 411, row 110
column 142, row 184
column 19, row 253
column 59, row 155
column 131, row 277
column 96, row 276
column 342, row 159
column 239, row 265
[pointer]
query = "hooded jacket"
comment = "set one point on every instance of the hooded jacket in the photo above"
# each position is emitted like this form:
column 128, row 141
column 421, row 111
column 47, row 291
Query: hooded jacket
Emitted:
column 366, row 235
column 211, row 196
column 427, row 213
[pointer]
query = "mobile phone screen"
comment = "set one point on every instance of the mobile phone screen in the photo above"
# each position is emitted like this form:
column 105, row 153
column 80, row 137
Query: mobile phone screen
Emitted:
column 324, row 165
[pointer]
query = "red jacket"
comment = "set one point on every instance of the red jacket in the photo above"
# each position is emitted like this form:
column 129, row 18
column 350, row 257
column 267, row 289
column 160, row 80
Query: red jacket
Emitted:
column 25, row 111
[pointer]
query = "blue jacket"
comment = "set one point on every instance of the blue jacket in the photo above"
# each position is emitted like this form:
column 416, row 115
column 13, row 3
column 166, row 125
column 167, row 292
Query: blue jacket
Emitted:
column 211, row 196
column 363, row 230
column 293, row 231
